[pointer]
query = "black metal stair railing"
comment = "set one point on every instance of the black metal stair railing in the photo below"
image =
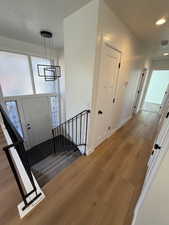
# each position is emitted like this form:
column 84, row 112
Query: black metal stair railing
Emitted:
column 18, row 144
column 72, row 134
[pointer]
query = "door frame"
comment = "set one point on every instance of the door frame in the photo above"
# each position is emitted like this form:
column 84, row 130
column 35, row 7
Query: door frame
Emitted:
column 140, row 89
column 147, row 82
column 19, row 100
column 103, row 46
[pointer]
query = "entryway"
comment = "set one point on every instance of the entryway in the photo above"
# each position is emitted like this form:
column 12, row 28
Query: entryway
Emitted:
column 33, row 116
column 157, row 91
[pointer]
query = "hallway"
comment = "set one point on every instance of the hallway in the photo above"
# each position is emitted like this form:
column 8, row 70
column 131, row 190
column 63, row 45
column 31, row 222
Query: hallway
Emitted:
column 99, row 189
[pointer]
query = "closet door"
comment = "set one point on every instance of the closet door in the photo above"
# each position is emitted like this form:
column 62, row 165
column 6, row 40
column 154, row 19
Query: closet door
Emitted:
column 106, row 93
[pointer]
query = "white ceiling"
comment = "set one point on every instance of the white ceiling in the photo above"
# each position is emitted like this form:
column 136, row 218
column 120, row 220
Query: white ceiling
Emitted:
column 140, row 16
column 23, row 19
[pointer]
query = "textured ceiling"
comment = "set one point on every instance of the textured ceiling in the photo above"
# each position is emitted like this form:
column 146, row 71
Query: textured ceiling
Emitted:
column 140, row 16
column 23, row 19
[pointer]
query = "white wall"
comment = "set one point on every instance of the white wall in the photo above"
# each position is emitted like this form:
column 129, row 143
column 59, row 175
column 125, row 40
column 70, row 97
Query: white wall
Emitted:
column 132, row 60
column 80, row 32
column 13, row 45
column 84, row 32
column 112, row 30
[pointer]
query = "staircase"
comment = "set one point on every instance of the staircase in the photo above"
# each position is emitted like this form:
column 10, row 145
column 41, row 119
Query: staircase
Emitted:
column 68, row 144
column 46, row 169
column 72, row 134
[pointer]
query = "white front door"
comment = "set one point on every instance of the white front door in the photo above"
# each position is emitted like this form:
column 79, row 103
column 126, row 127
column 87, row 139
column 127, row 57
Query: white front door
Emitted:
column 106, row 93
column 37, row 116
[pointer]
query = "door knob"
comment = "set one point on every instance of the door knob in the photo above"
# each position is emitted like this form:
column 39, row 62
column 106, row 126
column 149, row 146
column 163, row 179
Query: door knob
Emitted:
column 100, row 112
column 28, row 126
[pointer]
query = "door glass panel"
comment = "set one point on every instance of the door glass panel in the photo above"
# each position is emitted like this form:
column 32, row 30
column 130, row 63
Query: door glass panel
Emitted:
column 42, row 86
column 15, row 76
column 55, row 111
column 13, row 114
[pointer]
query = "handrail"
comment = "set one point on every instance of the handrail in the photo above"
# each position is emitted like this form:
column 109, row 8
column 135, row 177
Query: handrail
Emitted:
column 17, row 140
column 84, row 111
column 72, row 133
column 18, row 144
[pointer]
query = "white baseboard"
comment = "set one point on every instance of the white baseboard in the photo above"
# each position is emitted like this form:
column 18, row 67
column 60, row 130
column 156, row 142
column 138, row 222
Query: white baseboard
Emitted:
column 91, row 150
column 24, row 212
column 121, row 124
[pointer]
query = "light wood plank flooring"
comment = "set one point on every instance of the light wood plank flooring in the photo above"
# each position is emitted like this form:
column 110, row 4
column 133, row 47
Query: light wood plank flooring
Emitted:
column 101, row 189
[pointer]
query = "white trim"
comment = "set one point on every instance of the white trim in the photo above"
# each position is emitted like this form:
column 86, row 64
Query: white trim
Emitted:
column 144, row 90
column 139, row 90
column 31, row 74
column 121, row 124
column 1, row 93
column 28, row 96
column 29, row 53
column 91, row 150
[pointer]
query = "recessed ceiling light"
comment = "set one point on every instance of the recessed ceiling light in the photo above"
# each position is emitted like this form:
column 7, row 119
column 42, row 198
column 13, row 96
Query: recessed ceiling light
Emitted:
column 161, row 21
column 166, row 54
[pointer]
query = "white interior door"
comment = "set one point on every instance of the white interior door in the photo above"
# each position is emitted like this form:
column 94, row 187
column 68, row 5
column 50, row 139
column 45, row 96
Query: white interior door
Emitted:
column 37, row 116
column 164, row 101
column 139, row 90
column 159, row 151
column 106, row 93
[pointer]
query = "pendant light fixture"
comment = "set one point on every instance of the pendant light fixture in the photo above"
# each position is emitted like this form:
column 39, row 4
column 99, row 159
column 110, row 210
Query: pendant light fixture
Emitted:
column 49, row 71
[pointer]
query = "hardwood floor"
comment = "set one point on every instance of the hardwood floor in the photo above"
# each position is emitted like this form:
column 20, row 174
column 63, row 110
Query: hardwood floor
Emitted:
column 101, row 189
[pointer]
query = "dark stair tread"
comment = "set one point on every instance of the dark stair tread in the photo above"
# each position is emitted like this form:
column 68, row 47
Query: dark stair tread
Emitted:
column 43, row 150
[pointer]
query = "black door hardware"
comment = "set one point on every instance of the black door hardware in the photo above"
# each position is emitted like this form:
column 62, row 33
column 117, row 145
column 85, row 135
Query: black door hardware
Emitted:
column 100, row 112
column 156, row 146
column 114, row 100
column 167, row 115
